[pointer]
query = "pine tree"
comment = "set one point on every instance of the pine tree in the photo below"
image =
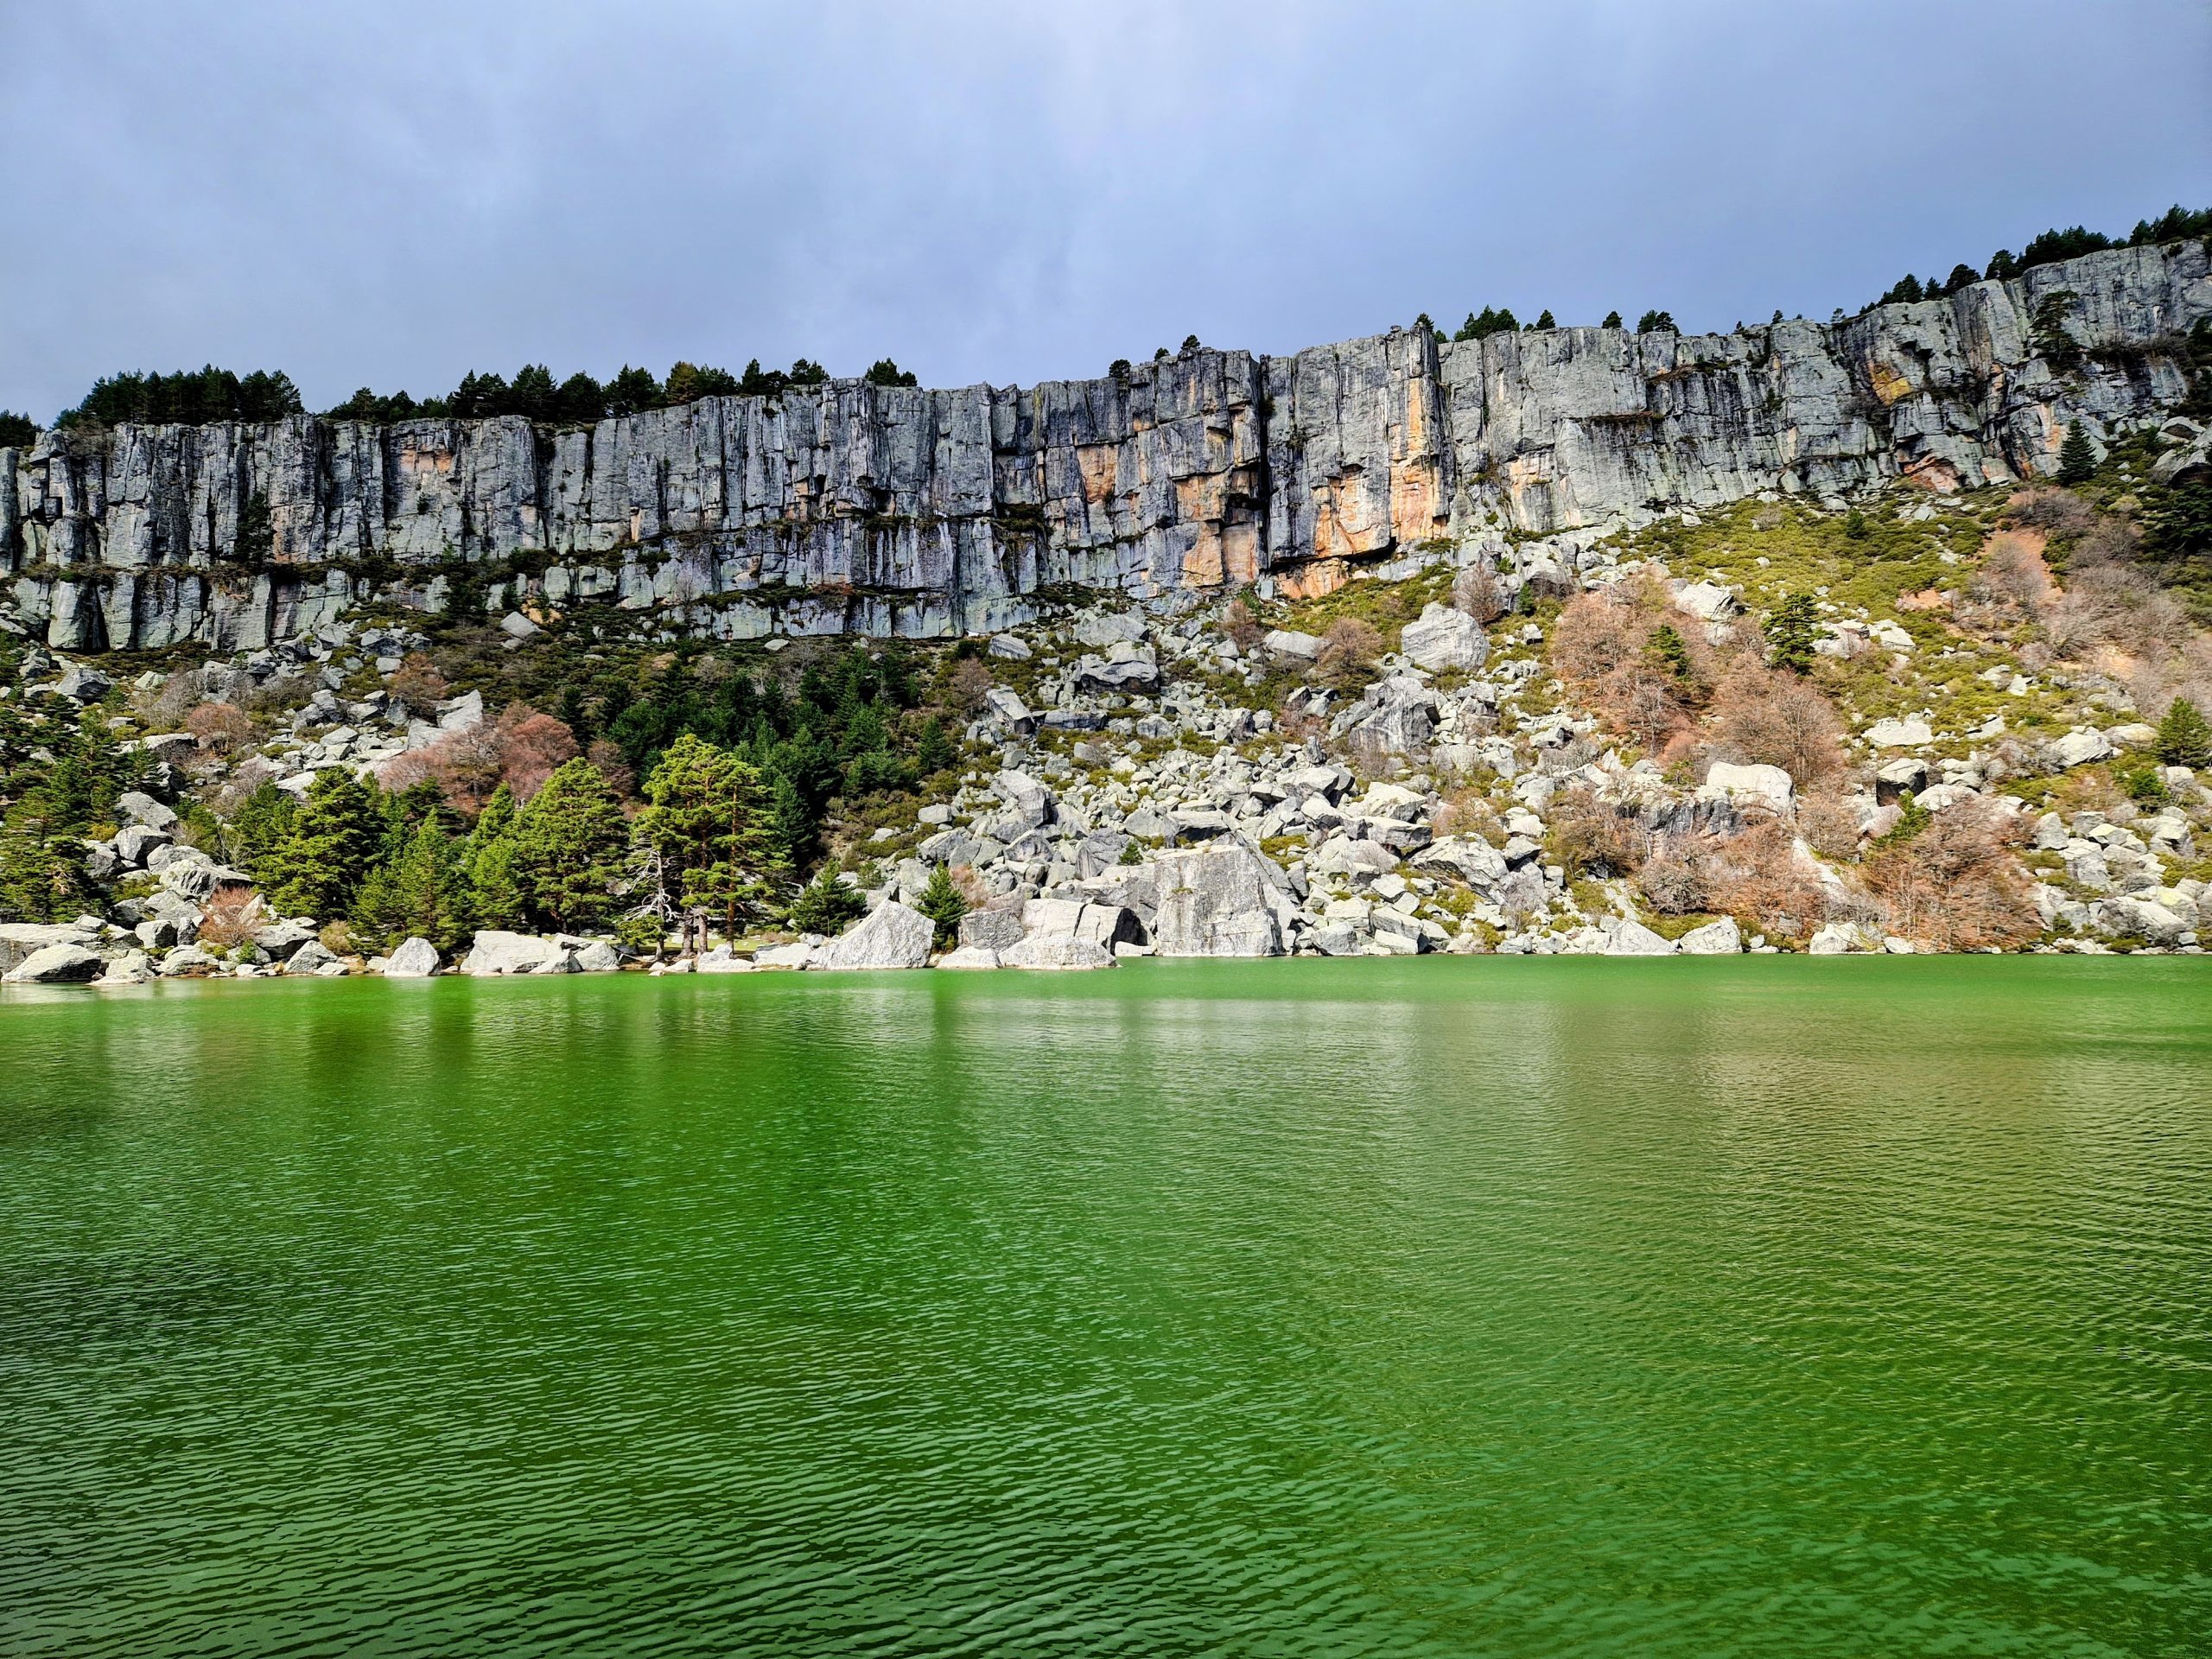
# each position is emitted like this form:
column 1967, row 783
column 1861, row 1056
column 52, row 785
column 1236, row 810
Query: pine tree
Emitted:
column 933, row 750
column 706, row 819
column 826, row 904
column 941, row 902
column 495, row 896
column 790, row 823
column 1671, row 653
column 569, row 842
column 329, row 848
column 261, row 821
column 2077, row 461
column 1612, row 320
column 2185, row 736
column 41, row 864
column 256, row 539
column 1544, row 320
column 422, row 894
column 1792, row 631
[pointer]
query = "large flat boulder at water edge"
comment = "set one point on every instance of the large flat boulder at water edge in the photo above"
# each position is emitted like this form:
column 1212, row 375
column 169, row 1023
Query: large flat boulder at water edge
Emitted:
column 416, row 959
column 1721, row 938
column 890, row 936
column 19, row 941
column 1216, row 902
column 1057, row 950
column 59, row 964
column 971, row 958
column 496, row 952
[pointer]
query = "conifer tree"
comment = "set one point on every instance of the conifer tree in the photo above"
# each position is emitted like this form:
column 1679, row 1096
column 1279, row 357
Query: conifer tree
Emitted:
column 2185, row 736
column 1544, row 320
column 941, row 902
column 1612, row 320
column 569, row 846
column 706, row 819
column 327, row 852
column 423, row 893
column 826, row 904
column 495, row 896
column 2077, row 461
column 1791, row 632
column 790, row 823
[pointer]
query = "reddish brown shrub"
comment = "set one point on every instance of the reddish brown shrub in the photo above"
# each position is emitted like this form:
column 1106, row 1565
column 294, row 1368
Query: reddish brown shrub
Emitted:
column 531, row 746
column 1475, row 590
column 1761, row 881
column 614, row 765
column 1349, row 648
column 418, row 683
column 219, row 727
column 1773, row 719
column 1243, row 628
column 1828, row 824
column 1677, row 879
column 231, row 917
column 521, row 749
column 1588, row 837
column 1957, row 884
column 2055, row 511
column 969, row 683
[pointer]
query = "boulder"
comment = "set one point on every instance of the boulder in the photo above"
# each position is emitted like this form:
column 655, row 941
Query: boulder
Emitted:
column 1216, row 902
column 1763, row 786
column 131, row 967
column 1633, row 938
column 1104, row 926
column 496, row 952
column 1721, row 938
column 59, row 964
column 792, row 957
column 969, row 958
column 1057, row 950
column 416, row 959
column 1287, row 642
column 992, row 930
column 1444, row 638
column 589, row 956
column 143, row 809
column 1708, row 601
column 1900, row 735
column 187, row 961
column 282, row 938
column 19, row 941
column 1836, row 939
column 2080, row 748
column 723, row 960
column 890, row 936
column 311, row 958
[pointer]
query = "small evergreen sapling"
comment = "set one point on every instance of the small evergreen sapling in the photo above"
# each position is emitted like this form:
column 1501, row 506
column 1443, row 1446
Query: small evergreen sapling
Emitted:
column 1791, row 632
column 2185, row 736
column 941, row 902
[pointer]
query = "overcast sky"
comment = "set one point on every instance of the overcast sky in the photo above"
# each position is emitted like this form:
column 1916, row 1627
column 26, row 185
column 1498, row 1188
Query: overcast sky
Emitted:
column 392, row 195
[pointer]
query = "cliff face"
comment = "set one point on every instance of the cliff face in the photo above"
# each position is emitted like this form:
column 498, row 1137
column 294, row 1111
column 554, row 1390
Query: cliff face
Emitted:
column 858, row 508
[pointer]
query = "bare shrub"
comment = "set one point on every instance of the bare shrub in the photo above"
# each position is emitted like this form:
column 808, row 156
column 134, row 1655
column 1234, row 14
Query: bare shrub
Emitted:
column 2010, row 584
column 2054, row 511
column 968, row 685
column 418, row 683
column 218, row 728
column 280, row 695
column 1588, row 837
column 1349, row 648
column 231, row 916
column 2110, row 606
column 1601, row 645
column 2111, row 540
column 1773, row 719
column 1468, row 813
column 1677, row 879
column 972, row 887
column 1596, row 635
column 167, row 709
column 1475, row 590
column 614, row 765
column 1957, row 884
column 1243, row 628
column 530, row 745
column 1828, row 824
column 1759, row 879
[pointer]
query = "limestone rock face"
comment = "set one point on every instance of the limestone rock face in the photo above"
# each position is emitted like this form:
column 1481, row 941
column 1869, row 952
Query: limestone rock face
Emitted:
column 890, row 936
column 1443, row 637
column 880, row 511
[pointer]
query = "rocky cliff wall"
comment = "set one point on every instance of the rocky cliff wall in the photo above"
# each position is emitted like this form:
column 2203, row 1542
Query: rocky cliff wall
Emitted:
column 858, row 508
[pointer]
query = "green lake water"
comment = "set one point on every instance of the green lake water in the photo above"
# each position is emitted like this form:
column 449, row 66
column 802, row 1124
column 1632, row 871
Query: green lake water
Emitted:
column 1451, row 1306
